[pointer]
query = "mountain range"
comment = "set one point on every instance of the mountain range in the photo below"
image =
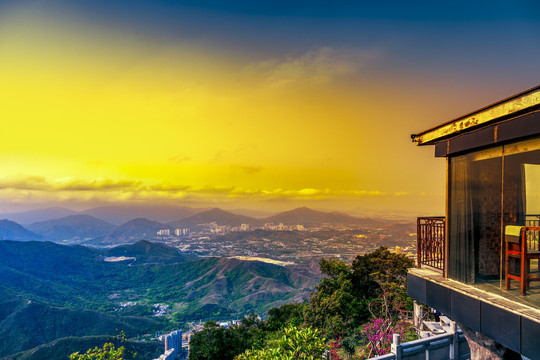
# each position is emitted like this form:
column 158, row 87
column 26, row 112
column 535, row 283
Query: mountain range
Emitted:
column 72, row 227
column 219, row 216
column 307, row 216
column 92, row 230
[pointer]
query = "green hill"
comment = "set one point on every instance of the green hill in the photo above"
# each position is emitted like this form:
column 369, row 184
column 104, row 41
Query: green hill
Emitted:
column 60, row 349
column 72, row 227
column 50, row 291
column 147, row 252
column 31, row 324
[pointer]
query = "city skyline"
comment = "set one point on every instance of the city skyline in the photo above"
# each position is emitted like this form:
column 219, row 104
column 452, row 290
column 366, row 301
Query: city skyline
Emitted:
column 265, row 106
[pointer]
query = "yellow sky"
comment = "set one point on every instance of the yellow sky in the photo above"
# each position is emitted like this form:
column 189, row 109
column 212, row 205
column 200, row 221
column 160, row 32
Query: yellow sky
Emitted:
column 93, row 115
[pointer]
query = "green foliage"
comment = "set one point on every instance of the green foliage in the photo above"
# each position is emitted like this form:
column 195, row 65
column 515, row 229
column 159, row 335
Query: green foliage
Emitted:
column 115, row 350
column 333, row 308
column 304, row 344
column 107, row 352
column 51, row 323
column 378, row 267
column 216, row 342
column 60, row 349
column 348, row 295
column 288, row 314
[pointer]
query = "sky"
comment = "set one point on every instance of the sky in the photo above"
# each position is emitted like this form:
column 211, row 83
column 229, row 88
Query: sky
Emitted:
column 265, row 105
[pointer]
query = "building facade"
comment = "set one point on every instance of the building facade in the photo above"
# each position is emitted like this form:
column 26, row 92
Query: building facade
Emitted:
column 478, row 264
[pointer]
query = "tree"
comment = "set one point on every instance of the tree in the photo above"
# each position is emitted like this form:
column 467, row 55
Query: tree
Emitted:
column 294, row 344
column 287, row 314
column 378, row 267
column 107, row 352
column 349, row 295
column 216, row 342
column 112, row 350
column 333, row 308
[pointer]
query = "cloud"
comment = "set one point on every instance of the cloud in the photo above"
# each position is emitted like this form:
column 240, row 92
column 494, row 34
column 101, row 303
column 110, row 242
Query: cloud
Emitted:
column 248, row 169
column 25, row 182
column 179, row 159
column 31, row 187
column 166, row 187
column 100, row 184
column 317, row 66
column 400, row 193
column 309, row 192
column 40, row 183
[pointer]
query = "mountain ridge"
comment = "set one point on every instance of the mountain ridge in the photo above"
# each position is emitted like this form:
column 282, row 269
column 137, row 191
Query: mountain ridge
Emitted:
column 217, row 215
column 10, row 230
column 72, row 227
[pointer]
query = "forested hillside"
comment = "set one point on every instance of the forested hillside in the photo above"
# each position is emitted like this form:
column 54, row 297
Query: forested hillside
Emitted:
column 50, row 291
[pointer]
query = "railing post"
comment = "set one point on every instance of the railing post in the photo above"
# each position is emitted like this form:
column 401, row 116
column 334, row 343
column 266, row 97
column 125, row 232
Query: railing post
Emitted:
column 418, row 243
column 395, row 348
column 454, row 347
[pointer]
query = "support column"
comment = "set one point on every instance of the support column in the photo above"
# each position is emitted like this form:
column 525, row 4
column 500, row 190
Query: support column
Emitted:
column 484, row 348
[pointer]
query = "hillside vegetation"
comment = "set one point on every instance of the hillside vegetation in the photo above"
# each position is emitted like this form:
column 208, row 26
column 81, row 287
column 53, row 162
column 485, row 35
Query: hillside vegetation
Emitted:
column 50, row 291
column 353, row 313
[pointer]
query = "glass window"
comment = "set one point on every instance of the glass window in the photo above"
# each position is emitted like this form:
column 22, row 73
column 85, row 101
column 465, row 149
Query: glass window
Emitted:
column 474, row 221
column 488, row 190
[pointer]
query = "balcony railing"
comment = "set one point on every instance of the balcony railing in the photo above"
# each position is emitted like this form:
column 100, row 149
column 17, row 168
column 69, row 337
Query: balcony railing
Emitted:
column 430, row 241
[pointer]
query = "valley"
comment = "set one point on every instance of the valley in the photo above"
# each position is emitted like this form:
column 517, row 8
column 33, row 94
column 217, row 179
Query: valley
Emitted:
column 84, row 277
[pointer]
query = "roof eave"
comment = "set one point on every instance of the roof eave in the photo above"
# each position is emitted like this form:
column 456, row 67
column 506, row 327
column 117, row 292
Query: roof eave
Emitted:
column 511, row 106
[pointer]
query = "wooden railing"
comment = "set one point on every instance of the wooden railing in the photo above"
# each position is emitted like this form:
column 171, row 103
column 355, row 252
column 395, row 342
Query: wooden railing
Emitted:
column 430, row 241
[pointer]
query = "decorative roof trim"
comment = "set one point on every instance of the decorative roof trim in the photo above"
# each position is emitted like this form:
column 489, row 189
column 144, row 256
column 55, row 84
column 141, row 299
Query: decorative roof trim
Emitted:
column 504, row 108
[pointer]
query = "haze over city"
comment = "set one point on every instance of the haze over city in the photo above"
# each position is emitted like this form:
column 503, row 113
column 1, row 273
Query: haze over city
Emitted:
column 260, row 105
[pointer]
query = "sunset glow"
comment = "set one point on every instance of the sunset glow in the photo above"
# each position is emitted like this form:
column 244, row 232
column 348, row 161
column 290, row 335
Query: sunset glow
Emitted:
column 158, row 107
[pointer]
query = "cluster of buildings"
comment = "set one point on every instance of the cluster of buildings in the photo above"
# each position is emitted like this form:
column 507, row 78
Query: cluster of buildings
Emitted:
column 281, row 227
column 224, row 229
column 177, row 232
column 160, row 309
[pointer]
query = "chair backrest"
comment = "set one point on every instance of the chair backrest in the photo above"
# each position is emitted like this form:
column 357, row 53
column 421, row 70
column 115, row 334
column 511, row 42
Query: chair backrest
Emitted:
column 512, row 233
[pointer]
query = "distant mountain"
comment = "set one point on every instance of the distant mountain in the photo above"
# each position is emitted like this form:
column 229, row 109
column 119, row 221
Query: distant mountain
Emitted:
column 119, row 214
column 139, row 227
column 252, row 213
column 10, row 230
column 129, row 232
column 219, row 216
column 73, row 227
column 307, row 216
column 148, row 252
column 32, row 216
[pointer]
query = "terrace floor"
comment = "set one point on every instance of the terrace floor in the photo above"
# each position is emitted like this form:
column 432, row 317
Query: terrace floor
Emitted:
column 491, row 292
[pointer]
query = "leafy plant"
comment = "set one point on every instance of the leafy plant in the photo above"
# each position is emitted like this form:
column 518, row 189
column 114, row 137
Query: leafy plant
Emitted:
column 107, row 352
column 301, row 344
